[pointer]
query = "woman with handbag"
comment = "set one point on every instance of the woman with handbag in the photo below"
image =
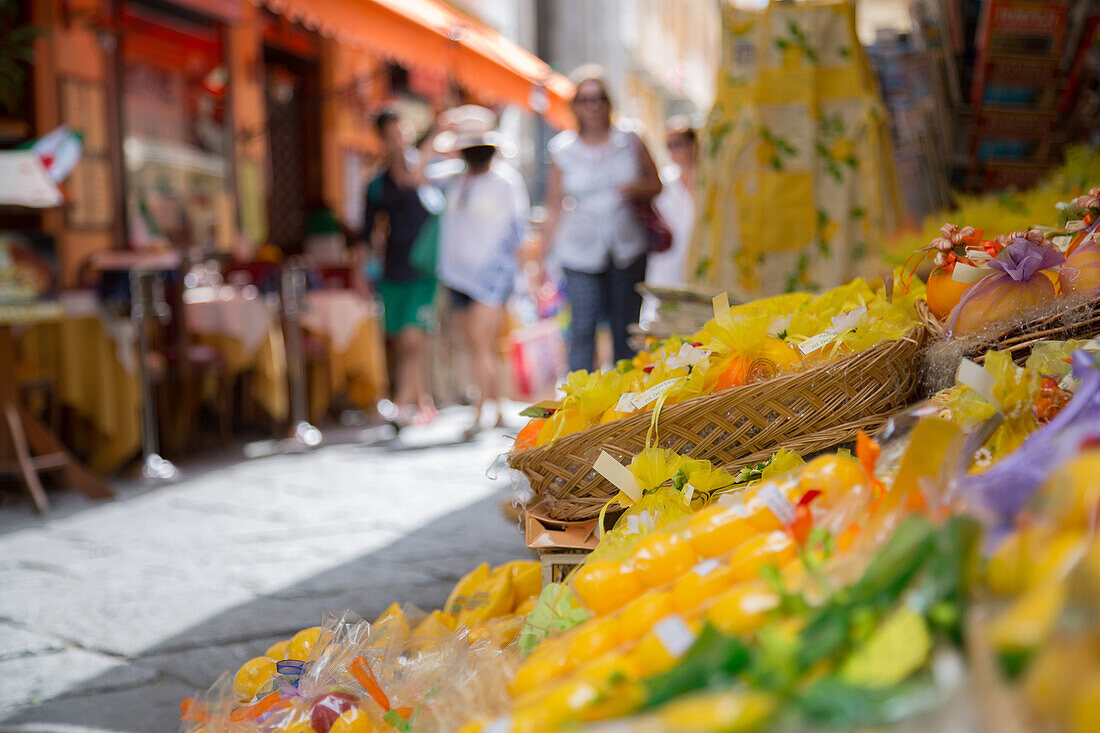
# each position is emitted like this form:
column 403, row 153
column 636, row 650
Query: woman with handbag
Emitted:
column 600, row 221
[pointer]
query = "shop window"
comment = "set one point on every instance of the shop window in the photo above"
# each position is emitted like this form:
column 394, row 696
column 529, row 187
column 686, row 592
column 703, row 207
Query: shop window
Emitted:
column 176, row 142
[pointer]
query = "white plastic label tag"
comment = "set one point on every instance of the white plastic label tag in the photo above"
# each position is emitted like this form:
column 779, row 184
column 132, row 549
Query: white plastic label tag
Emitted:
column 675, row 635
column 814, row 343
column 978, row 379
column 706, row 567
column 619, row 475
column 780, row 505
column 964, row 273
column 687, row 356
column 721, row 305
column 626, row 402
column 654, row 392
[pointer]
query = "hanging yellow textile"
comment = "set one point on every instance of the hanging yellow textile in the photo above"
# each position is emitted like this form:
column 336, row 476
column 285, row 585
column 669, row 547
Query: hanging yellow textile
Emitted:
column 797, row 180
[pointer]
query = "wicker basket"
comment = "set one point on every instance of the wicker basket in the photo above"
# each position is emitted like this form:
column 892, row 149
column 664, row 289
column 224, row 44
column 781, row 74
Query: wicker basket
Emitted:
column 1063, row 319
column 809, row 411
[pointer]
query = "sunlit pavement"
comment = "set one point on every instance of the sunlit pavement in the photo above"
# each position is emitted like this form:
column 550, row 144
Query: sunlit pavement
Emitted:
column 112, row 612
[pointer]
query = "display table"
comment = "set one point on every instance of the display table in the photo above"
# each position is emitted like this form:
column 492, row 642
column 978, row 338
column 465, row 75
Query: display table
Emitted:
column 244, row 329
column 357, row 360
column 27, row 447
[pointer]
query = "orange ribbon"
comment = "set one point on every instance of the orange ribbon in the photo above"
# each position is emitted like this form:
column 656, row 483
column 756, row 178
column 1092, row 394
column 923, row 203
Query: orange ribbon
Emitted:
column 361, row 671
column 269, row 703
column 192, row 709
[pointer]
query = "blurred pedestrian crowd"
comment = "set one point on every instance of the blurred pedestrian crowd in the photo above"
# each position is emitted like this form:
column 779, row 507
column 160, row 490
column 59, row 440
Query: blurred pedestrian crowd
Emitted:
column 448, row 223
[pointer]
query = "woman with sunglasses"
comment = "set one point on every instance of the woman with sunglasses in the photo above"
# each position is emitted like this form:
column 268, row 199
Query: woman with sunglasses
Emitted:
column 598, row 174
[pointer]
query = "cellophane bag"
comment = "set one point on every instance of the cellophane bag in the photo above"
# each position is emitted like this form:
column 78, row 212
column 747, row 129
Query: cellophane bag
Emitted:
column 1019, row 285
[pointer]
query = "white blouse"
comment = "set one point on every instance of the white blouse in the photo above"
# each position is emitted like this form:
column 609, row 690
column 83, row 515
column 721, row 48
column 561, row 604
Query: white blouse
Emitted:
column 598, row 227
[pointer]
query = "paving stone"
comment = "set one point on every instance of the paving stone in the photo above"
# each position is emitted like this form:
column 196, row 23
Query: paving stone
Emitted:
column 69, row 671
column 119, row 609
column 16, row 642
column 152, row 708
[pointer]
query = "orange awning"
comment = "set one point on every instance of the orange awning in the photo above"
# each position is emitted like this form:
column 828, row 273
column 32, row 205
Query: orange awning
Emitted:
column 428, row 34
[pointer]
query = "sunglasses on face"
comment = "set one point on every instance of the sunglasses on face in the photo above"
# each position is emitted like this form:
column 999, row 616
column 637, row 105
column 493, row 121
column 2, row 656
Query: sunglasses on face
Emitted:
column 595, row 99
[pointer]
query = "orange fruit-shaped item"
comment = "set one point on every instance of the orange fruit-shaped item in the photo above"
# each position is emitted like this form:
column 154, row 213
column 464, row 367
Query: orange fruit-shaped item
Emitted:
column 638, row 616
column 277, row 651
column 760, row 516
column 743, row 608
column 717, row 530
column 302, row 644
column 1080, row 274
column 660, row 649
column 774, row 548
column 253, row 674
column 836, row 477
column 605, row 585
column 565, row 421
column 701, row 585
column 593, row 638
column 662, row 558
column 943, row 292
column 733, row 372
column 352, row 720
column 529, row 435
column 548, row 662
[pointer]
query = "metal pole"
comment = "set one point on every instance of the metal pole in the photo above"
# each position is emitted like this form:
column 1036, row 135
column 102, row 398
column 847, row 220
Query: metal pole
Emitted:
column 147, row 297
column 293, row 294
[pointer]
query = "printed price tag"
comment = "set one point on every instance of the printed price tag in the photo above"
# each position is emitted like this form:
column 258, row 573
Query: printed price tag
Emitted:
column 814, row 343
column 689, row 491
column 1069, row 383
column 654, row 392
column 675, row 635
column 626, row 402
column 619, row 475
column 706, row 567
column 780, row 505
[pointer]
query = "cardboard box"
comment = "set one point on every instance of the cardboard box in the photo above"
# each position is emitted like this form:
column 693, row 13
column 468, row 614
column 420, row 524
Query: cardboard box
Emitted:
column 545, row 533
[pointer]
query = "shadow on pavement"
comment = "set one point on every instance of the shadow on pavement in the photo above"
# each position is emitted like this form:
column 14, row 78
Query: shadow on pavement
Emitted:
column 420, row 568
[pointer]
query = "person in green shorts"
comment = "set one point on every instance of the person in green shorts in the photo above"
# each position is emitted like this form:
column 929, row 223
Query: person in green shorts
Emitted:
column 401, row 195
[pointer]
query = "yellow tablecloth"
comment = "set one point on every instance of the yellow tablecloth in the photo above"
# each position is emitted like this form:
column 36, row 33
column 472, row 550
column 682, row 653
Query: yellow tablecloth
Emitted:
column 268, row 365
column 82, row 357
column 241, row 326
column 357, row 353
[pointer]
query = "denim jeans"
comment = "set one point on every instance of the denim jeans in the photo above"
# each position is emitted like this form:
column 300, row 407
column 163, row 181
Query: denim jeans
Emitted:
column 609, row 294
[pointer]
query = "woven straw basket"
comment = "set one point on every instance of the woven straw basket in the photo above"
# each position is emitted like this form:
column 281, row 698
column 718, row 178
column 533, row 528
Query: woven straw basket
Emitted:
column 808, row 411
column 1069, row 317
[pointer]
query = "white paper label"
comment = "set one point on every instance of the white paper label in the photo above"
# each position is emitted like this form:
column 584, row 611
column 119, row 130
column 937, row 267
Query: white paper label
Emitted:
column 502, row 724
column 689, row 491
column 978, row 379
column 721, row 305
column 706, row 567
column 626, row 402
column 779, row 504
column 687, row 356
column 618, row 474
column 814, row 343
column 654, row 392
column 1069, row 383
column 964, row 273
column 675, row 635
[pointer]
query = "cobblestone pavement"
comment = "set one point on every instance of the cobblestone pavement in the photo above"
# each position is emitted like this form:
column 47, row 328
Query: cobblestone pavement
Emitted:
column 112, row 612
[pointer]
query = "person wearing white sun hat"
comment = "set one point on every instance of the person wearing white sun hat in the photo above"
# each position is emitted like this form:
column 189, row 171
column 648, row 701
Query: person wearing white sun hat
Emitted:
column 480, row 232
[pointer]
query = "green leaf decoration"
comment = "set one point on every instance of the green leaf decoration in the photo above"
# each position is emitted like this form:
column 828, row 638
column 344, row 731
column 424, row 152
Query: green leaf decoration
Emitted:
column 555, row 611
column 898, row 648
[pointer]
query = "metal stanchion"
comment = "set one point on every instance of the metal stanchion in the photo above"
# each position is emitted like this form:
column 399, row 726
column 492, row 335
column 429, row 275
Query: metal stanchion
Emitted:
column 293, row 296
column 147, row 299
